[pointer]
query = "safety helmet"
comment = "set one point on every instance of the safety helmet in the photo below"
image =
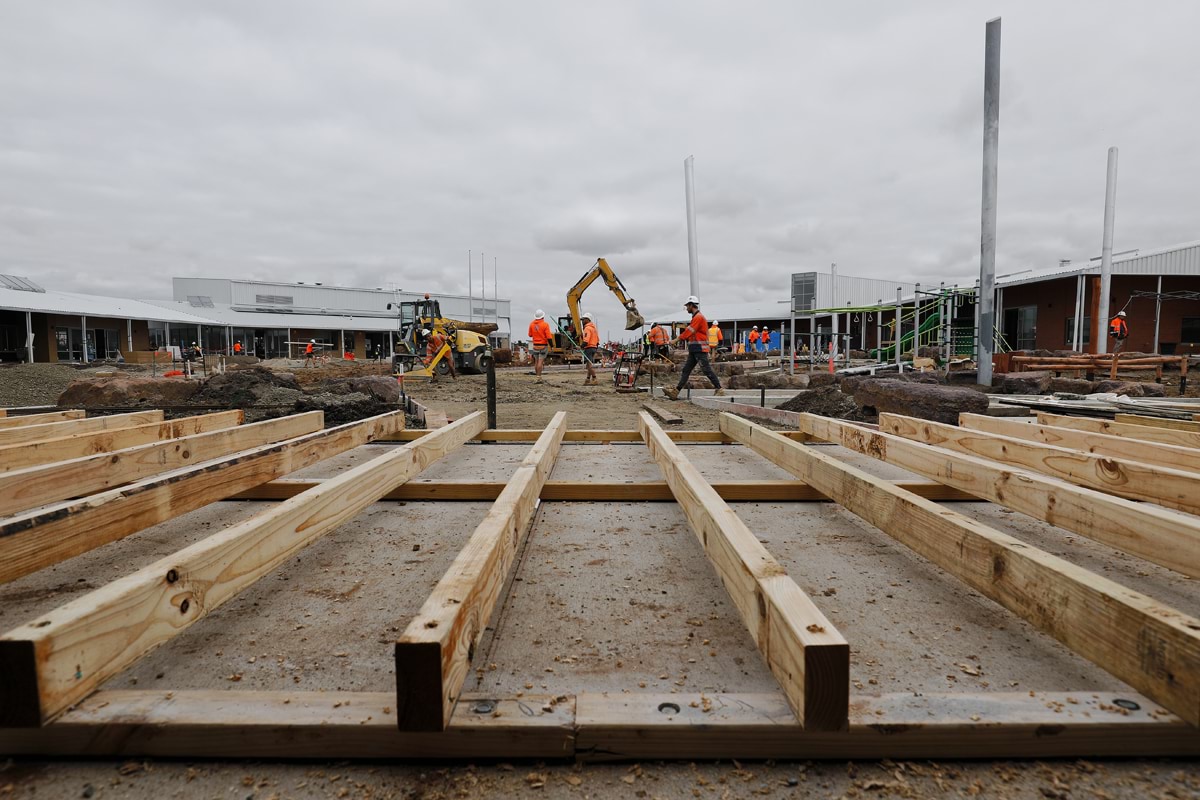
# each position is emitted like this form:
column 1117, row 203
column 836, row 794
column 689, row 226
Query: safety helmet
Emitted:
column 539, row 314
column 193, row 344
column 714, row 322
column 755, row 327
column 310, row 341
column 692, row 300
column 425, row 331
column 1120, row 313
column 588, row 315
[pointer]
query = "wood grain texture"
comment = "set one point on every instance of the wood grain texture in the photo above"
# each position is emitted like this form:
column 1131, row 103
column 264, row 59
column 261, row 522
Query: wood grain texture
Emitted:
column 81, row 644
column 663, row 415
column 46, row 536
column 1149, row 645
column 1142, row 432
column 1101, row 444
column 434, row 654
column 39, row 485
column 1162, row 423
column 801, row 647
column 591, row 436
column 55, row 430
column 1164, row 486
column 19, row 456
column 771, row 491
column 7, row 422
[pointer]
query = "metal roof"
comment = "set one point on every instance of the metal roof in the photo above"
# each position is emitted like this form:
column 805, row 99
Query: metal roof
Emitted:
column 1178, row 259
column 223, row 315
column 92, row 305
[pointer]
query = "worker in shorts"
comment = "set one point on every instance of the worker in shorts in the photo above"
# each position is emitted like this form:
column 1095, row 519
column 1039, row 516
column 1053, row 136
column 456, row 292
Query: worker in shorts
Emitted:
column 540, row 337
column 591, row 349
column 696, row 336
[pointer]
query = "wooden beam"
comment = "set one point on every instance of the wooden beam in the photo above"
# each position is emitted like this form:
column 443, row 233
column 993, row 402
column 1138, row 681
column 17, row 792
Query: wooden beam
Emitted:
column 1149, row 645
column 803, row 650
column 54, row 430
column 434, row 654
column 273, row 725
column 66, row 654
column 640, row 726
column 529, row 435
column 1173, row 488
column 18, row 456
column 1123, row 429
column 48, row 483
column 770, row 491
column 46, row 536
column 1178, row 457
column 1146, row 531
column 7, row 422
column 667, row 417
column 644, row 726
column 1159, row 422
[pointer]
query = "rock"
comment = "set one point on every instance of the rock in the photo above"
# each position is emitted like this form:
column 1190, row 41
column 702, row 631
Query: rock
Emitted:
column 927, row 401
column 1129, row 388
column 342, row 408
column 816, row 379
column 827, row 401
column 381, row 387
column 127, row 392
column 243, row 388
column 1027, row 382
column 1070, row 386
column 929, row 352
column 768, row 380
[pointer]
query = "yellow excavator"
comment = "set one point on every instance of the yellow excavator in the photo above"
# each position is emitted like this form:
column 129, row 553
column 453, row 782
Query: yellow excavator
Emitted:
column 570, row 328
column 466, row 342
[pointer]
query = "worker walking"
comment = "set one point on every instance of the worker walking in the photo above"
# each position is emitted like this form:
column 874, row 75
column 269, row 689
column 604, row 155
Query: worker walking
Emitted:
column 696, row 336
column 308, row 352
column 716, row 337
column 753, row 339
column 434, row 342
column 764, row 340
column 539, row 341
column 237, row 347
column 591, row 349
column 658, row 342
column 1118, row 328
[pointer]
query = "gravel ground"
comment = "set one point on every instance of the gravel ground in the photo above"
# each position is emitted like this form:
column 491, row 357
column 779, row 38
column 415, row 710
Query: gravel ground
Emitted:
column 35, row 384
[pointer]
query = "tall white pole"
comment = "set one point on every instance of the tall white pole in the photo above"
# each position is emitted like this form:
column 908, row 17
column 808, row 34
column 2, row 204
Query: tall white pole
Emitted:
column 833, row 317
column 29, row 336
column 470, row 288
column 496, row 292
column 83, row 325
column 689, row 185
column 1078, row 326
column 1110, row 212
column 899, row 327
column 987, row 240
column 482, row 288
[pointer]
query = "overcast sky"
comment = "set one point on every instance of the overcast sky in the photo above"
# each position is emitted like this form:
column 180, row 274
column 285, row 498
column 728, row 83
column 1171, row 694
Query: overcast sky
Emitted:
column 375, row 143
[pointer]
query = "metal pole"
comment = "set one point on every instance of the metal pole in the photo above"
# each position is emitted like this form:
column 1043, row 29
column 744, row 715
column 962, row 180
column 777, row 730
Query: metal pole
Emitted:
column 167, row 333
column 83, row 323
column 985, row 299
column 879, row 332
column 833, row 338
column 1158, row 311
column 792, row 366
column 491, row 393
column 917, row 321
column 1077, row 327
column 470, row 287
column 689, row 187
column 1110, row 212
column 129, row 336
column 496, row 293
column 896, row 335
column 812, row 341
column 29, row 336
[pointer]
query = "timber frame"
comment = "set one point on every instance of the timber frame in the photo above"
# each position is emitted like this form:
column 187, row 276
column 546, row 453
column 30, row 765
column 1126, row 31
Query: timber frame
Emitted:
column 52, row 667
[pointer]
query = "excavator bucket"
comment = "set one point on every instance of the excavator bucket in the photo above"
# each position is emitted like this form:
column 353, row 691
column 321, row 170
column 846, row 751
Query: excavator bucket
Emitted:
column 633, row 320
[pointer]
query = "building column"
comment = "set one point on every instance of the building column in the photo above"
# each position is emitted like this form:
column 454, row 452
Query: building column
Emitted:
column 83, row 332
column 129, row 337
column 1099, row 326
column 29, row 336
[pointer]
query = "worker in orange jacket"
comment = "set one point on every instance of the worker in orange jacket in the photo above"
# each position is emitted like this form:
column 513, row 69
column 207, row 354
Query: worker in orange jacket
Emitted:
column 540, row 337
column 753, row 339
column 1118, row 328
column 591, row 349
column 696, row 336
column 658, row 341
column 434, row 342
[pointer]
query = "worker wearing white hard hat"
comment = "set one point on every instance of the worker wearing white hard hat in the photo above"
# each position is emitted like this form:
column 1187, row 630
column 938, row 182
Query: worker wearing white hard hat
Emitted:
column 591, row 349
column 540, row 338
column 1118, row 328
column 539, row 314
column 696, row 336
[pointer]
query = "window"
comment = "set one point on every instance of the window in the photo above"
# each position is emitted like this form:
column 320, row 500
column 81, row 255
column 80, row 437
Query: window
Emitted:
column 1191, row 330
column 273, row 299
column 804, row 291
column 200, row 301
column 1069, row 337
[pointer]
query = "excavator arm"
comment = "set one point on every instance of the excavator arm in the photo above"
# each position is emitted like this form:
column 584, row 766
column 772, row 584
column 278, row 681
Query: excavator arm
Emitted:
column 601, row 269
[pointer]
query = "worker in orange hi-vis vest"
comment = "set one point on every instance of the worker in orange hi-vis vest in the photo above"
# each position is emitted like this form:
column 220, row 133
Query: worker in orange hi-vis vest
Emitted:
column 658, row 341
column 753, row 339
column 308, row 352
column 1118, row 328
column 540, row 337
column 715, row 336
column 591, row 349
column 434, row 342
column 696, row 336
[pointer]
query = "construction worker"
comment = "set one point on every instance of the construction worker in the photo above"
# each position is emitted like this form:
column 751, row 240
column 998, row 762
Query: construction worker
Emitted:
column 715, row 336
column 1118, row 328
column 434, row 342
column 540, row 338
column 658, row 341
column 753, row 339
column 309, row 355
column 764, row 340
column 591, row 349
column 696, row 336
column 237, row 347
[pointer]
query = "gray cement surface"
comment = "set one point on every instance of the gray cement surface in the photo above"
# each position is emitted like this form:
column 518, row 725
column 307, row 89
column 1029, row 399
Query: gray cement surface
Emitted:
column 606, row 597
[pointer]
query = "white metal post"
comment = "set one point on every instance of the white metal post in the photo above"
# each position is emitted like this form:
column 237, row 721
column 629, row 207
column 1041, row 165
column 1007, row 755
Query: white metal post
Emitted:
column 896, row 336
column 916, row 322
column 1077, row 328
column 689, row 190
column 879, row 332
column 29, row 336
column 129, row 337
column 1157, row 313
column 985, row 298
column 83, row 344
column 1110, row 213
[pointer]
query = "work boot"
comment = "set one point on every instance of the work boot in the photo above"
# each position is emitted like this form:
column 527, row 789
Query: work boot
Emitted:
column 671, row 394
column 719, row 392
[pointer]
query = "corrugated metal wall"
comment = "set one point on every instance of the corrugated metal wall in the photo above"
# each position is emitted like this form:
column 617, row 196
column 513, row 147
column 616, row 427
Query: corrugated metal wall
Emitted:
column 851, row 290
column 1181, row 261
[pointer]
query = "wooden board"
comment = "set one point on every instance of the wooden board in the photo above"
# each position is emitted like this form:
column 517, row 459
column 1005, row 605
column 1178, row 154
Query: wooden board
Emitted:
column 39, row 485
column 1172, row 488
column 801, row 647
column 771, row 491
column 665, row 416
column 1159, row 422
column 1143, row 432
column 64, row 655
column 46, row 536
column 1149, row 645
column 240, row 724
column 593, row 436
column 1101, row 444
column 7, row 422
column 1143, row 530
column 434, row 654
column 54, row 430
column 19, row 456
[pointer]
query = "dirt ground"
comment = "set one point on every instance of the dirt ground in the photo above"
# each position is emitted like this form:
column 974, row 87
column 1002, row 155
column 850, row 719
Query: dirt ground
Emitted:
column 607, row 596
